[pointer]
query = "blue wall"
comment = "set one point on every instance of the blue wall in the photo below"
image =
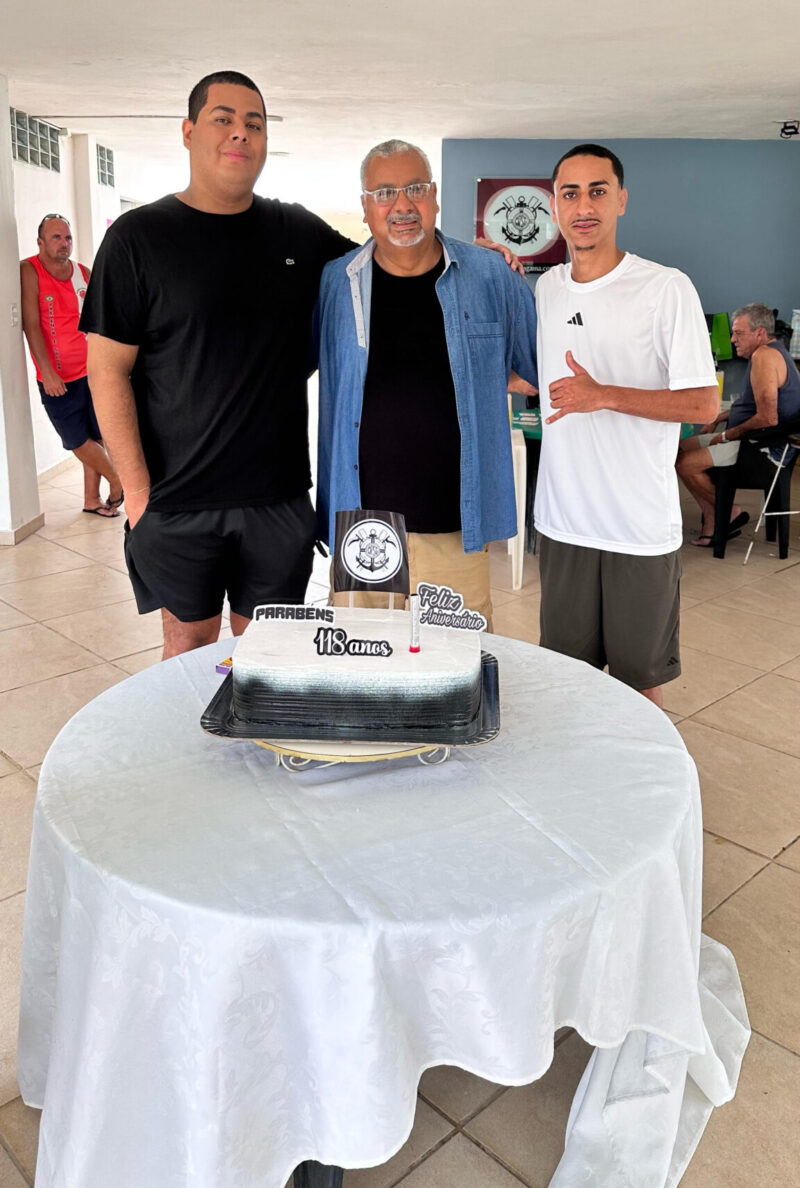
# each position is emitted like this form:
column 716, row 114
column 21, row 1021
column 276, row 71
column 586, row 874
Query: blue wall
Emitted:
column 727, row 212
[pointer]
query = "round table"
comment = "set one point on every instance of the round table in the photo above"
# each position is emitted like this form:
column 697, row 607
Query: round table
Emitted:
column 229, row 968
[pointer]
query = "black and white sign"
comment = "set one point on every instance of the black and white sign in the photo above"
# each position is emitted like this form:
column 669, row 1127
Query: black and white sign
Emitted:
column 370, row 552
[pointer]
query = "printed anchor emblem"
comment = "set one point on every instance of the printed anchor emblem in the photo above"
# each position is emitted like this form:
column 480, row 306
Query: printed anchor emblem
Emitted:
column 373, row 552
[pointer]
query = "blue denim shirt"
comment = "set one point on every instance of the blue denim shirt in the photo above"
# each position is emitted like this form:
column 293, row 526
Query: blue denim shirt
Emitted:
column 490, row 327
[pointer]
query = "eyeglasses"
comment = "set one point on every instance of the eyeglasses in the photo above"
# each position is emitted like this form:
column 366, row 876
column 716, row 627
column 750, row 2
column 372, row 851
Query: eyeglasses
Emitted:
column 387, row 195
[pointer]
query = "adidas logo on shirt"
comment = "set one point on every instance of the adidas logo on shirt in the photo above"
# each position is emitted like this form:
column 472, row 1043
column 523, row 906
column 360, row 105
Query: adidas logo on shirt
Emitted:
column 575, row 320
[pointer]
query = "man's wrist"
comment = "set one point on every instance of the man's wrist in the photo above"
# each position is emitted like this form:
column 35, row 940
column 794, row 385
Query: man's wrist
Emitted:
column 609, row 397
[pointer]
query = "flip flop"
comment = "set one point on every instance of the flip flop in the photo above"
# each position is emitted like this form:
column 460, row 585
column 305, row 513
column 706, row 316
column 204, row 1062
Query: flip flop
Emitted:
column 112, row 503
column 101, row 511
column 737, row 522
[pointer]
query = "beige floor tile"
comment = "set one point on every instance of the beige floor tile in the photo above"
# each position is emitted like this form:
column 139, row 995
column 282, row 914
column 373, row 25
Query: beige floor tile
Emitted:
column 33, row 772
column 749, row 792
column 766, row 712
column 65, row 593
column 455, row 1092
column 711, row 578
column 104, row 548
column 790, row 856
column 501, row 597
column 674, row 718
column 33, row 715
column 791, row 670
column 17, row 794
column 726, row 868
column 19, row 1133
column 35, row 557
column 60, row 525
column 769, row 596
column 11, row 617
column 760, row 924
column 738, row 635
column 754, row 1140
column 518, row 619
column 703, row 680
column 112, row 631
column 11, row 911
column 139, row 660
column 502, row 577
column 9, row 1175
column 526, row 1126
column 430, row 1129
column 55, row 499
column 7, row 767
column 35, row 653
column 458, row 1164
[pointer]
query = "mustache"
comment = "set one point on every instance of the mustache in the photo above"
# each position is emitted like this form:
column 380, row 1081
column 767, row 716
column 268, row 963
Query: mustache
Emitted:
column 396, row 217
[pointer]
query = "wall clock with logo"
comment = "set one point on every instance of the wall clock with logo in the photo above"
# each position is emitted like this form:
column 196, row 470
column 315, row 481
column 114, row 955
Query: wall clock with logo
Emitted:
column 516, row 212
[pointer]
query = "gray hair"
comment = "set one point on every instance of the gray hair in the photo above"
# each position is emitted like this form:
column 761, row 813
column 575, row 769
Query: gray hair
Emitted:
column 389, row 148
column 759, row 316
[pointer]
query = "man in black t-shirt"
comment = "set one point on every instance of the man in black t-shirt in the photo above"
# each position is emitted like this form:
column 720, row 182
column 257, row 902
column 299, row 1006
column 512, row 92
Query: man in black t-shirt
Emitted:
column 198, row 316
column 418, row 337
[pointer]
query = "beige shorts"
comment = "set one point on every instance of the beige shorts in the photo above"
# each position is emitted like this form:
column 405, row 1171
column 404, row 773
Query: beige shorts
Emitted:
column 436, row 557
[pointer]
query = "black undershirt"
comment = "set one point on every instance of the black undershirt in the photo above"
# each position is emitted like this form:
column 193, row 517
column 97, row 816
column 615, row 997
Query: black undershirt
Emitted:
column 410, row 442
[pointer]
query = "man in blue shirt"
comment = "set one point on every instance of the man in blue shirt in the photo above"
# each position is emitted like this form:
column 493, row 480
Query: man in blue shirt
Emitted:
column 418, row 335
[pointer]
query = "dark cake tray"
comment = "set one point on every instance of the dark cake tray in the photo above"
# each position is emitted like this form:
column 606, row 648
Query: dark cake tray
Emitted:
column 219, row 719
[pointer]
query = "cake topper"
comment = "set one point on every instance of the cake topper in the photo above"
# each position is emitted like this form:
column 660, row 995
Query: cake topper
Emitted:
column 370, row 552
column 440, row 605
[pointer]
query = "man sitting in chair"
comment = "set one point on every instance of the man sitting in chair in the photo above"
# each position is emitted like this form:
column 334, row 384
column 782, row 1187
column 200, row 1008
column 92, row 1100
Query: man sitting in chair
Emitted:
column 771, row 394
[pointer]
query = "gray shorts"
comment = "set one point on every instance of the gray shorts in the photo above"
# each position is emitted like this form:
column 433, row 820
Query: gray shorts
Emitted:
column 614, row 609
column 724, row 453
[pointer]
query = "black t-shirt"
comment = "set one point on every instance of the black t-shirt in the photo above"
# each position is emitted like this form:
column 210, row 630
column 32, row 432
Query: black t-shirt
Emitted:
column 220, row 308
column 409, row 454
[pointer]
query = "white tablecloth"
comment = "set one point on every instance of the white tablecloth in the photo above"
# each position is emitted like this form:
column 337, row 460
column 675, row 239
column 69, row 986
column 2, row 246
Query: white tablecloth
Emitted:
column 229, row 969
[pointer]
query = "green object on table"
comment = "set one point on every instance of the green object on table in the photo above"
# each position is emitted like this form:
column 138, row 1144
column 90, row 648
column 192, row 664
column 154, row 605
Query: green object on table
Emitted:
column 529, row 420
column 721, row 336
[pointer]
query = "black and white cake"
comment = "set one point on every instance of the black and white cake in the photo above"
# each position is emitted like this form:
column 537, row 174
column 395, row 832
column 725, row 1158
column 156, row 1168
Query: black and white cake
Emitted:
column 325, row 673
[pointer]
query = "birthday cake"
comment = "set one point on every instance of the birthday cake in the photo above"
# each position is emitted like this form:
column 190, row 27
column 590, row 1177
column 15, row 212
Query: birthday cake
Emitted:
column 333, row 673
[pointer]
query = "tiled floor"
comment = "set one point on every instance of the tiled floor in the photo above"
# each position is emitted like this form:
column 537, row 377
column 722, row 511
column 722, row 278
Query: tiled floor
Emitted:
column 69, row 629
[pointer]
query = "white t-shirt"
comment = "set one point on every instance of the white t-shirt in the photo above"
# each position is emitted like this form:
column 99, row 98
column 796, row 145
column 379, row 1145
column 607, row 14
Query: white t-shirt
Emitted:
column 607, row 479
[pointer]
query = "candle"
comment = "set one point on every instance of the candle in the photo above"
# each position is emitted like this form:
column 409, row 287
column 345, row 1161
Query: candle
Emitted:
column 414, row 645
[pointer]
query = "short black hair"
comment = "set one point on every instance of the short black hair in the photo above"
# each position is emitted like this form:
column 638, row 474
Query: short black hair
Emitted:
column 593, row 150
column 199, row 93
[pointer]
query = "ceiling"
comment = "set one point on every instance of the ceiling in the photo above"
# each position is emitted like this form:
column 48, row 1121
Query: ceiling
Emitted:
column 344, row 75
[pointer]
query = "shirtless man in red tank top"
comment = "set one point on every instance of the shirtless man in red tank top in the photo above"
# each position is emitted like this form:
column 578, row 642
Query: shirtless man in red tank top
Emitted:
column 52, row 298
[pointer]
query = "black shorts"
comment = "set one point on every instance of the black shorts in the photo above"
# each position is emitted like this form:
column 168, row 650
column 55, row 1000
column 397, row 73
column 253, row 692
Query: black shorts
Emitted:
column 618, row 609
column 186, row 562
column 72, row 415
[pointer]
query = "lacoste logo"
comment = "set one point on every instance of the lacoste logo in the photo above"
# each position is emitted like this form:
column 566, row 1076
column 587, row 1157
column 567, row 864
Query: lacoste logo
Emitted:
column 575, row 320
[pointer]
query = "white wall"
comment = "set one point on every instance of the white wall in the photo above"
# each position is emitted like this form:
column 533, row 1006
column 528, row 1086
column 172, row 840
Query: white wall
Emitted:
column 19, row 496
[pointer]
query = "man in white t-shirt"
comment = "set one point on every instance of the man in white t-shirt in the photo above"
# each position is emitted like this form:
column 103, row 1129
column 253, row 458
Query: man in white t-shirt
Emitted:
column 624, row 358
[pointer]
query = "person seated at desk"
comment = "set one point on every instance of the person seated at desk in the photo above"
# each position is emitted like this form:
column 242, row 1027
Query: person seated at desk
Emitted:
column 771, row 394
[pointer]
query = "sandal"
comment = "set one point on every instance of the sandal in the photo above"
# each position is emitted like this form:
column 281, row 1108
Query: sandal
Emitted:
column 112, row 503
column 104, row 510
